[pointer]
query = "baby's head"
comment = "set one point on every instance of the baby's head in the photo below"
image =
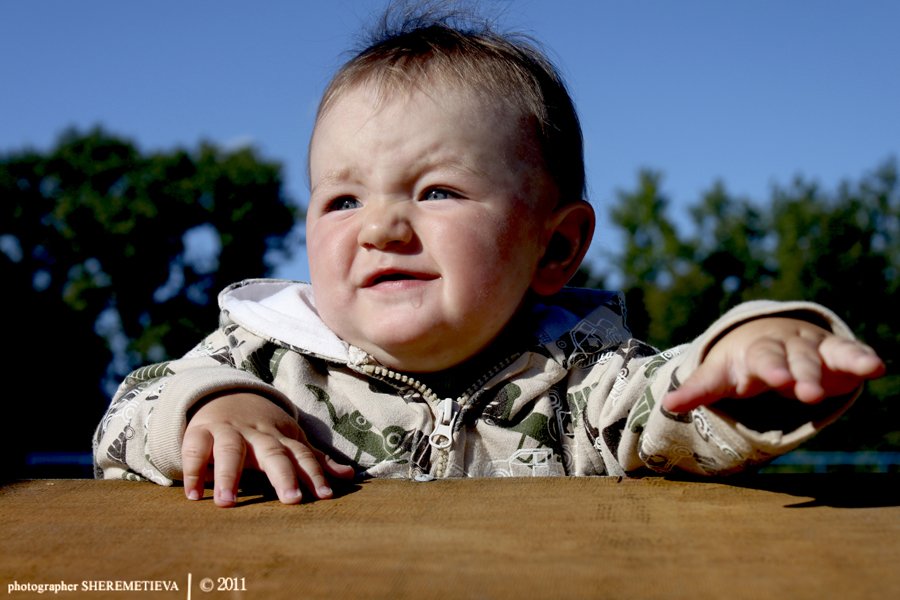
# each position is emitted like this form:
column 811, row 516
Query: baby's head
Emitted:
column 447, row 185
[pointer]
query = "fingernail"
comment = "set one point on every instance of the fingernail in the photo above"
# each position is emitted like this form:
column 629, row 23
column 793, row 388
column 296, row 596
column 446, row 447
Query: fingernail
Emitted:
column 226, row 496
column 323, row 491
column 193, row 495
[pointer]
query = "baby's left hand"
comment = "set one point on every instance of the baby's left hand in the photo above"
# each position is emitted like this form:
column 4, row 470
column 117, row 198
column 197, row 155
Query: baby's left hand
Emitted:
column 793, row 357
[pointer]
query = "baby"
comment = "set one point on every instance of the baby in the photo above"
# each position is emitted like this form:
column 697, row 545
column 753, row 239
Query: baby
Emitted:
column 437, row 338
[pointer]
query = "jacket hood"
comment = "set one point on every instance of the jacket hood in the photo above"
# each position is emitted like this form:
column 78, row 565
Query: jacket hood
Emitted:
column 285, row 312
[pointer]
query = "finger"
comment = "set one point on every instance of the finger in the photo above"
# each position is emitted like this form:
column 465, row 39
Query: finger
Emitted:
column 333, row 469
column 851, row 357
column 310, row 469
column 336, row 469
column 766, row 366
column 229, row 451
column 710, row 382
column 277, row 462
column 805, row 365
column 313, row 465
column 196, row 450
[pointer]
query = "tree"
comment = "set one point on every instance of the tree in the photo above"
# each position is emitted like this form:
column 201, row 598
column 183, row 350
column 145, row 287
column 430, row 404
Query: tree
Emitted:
column 840, row 249
column 112, row 258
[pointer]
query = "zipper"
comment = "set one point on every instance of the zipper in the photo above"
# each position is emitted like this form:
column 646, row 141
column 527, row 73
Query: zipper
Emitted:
column 381, row 372
column 448, row 409
column 441, row 436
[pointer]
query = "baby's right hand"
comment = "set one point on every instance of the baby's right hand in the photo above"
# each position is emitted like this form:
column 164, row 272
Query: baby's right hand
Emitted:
column 244, row 430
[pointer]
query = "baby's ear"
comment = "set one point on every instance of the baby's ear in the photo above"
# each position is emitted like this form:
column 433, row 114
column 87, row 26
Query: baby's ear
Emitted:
column 573, row 227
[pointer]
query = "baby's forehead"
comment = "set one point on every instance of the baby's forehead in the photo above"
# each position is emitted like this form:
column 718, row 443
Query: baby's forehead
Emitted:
column 392, row 97
column 434, row 88
column 465, row 108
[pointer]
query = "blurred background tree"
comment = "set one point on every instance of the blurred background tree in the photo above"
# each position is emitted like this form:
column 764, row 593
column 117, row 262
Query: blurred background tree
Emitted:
column 841, row 249
column 112, row 258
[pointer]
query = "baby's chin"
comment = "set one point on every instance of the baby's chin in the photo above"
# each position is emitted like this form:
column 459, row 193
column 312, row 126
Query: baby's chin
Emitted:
column 416, row 349
column 413, row 361
column 417, row 358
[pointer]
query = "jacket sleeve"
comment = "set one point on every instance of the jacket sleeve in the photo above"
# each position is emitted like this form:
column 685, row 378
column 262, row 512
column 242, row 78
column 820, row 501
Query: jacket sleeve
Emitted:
column 634, row 431
column 140, row 435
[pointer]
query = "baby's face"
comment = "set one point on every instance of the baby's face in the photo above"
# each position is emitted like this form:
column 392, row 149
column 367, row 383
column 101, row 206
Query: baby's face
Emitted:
column 428, row 217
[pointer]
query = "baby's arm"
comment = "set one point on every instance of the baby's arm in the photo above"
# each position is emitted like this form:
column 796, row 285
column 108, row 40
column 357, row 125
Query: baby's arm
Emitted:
column 794, row 357
column 241, row 431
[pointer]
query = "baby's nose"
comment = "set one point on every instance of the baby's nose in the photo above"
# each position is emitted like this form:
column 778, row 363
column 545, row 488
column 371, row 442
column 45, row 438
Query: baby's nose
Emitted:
column 385, row 225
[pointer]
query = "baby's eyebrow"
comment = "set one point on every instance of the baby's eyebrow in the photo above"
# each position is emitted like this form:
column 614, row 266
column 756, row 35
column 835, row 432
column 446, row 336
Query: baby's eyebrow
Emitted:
column 449, row 164
column 334, row 177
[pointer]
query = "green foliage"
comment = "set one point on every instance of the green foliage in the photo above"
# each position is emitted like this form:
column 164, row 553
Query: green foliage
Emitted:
column 97, row 258
column 840, row 249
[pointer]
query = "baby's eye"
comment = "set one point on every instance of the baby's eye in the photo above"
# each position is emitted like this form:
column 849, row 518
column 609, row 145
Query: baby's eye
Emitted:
column 342, row 203
column 439, row 194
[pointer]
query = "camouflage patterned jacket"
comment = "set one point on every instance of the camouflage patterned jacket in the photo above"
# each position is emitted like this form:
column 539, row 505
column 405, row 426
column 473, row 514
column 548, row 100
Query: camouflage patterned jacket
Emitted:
column 581, row 398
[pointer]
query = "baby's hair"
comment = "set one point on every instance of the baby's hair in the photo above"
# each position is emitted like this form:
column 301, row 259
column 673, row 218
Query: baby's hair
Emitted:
column 416, row 42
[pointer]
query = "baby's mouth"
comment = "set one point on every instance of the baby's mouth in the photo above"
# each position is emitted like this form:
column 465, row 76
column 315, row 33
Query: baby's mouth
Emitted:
column 394, row 276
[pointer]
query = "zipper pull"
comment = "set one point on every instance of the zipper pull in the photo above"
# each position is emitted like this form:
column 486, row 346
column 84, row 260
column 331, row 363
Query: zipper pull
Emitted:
column 442, row 435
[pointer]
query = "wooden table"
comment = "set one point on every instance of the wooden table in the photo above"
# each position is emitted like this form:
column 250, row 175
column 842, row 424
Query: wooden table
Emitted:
column 769, row 536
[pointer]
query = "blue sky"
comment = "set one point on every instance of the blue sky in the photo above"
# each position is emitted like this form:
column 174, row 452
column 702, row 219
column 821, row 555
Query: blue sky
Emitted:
column 749, row 92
